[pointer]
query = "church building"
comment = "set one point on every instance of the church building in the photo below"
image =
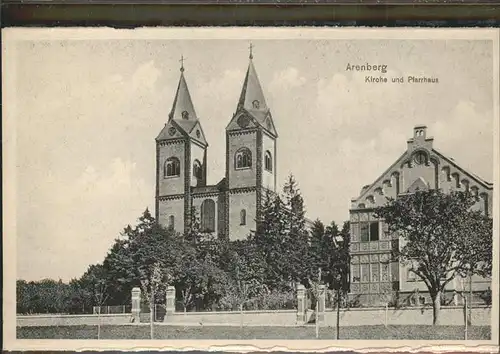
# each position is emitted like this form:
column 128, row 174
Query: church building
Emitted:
column 421, row 167
column 231, row 207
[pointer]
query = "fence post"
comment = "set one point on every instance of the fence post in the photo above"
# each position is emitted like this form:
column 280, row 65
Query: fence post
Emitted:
column 321, row 304
column 301, row 303
column 136, row 305
column 170, row 301
column 466, row 329
column 386, row 313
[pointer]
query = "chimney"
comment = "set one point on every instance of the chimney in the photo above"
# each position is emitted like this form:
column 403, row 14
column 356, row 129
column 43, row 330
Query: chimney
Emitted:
column 420, row 139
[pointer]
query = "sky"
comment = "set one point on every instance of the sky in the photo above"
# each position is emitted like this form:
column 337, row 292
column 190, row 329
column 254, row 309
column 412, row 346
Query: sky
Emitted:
column 87, row 113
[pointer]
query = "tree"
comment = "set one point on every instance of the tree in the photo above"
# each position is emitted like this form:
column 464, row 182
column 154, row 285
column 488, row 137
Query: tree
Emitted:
column 100, row 298
column 441, row 238
column 270, row 241
column 151, row 279
column 296, row 236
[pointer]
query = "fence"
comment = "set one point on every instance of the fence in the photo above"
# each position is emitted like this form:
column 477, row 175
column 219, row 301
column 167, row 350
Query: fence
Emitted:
column 159, row 312
column 108, row 310
column 408, row 299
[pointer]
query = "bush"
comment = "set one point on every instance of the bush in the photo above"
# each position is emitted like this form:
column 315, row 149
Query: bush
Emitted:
column 354, row 303
column 276, row 301
column 268, row 301
column 486, row 296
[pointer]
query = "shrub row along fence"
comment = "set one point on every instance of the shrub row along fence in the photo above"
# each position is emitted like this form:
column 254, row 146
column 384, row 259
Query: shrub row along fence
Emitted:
column 300, row 312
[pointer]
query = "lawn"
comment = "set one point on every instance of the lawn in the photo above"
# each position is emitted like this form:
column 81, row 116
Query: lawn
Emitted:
column 206, row 332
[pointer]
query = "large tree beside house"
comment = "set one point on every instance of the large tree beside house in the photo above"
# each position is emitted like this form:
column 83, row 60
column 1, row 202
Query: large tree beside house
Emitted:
column 441, row 238
column 281, row 237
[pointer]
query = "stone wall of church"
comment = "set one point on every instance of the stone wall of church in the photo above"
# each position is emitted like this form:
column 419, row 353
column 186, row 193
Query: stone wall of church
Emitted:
column 197, row 153
column 239, row 178
column 269, row 177
column 172, row 207
column 171, row 185
column 238, row 201
column 198, row 200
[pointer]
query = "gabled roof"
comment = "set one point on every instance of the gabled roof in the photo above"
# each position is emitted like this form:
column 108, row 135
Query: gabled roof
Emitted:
column 484, row 183
column 369, row 187
column 170, row 131
column 444, row 160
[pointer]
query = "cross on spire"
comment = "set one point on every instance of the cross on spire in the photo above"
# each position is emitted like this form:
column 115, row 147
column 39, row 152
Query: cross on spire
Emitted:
column 182, row 62
column 251, row 53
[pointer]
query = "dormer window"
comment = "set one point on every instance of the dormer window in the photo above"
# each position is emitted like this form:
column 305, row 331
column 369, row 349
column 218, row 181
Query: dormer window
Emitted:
column 185, row 115
column 256, row 104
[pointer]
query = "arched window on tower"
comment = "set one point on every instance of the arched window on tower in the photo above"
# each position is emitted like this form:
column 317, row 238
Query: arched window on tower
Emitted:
column 197, row 171
column 243, row 158
column 172, row 167
column 268, row 161
column 171, row 222
column 208, row 216
column 243, row 217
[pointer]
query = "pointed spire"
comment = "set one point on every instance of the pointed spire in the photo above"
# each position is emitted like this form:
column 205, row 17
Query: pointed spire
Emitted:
column 183, row 108
column 251, row 53
column 182, row 63
column 252, row 96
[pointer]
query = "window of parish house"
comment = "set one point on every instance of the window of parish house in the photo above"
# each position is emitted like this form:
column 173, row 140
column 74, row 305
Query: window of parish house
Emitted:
column 374, row 272
column 355, row 277
column 384, row 269
column 365, row 273
column 369, row 231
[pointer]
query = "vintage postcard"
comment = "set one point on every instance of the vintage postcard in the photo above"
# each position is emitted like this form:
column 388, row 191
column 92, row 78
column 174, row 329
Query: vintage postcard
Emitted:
column 250, row 188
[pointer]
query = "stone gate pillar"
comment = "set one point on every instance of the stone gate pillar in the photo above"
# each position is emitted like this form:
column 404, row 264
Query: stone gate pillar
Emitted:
column 170, row 300
column 301, row 303
column 136, row 305
column 321, row 304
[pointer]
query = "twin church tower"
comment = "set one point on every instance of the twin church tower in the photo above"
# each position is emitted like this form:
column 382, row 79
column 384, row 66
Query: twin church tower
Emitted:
column 231, row 207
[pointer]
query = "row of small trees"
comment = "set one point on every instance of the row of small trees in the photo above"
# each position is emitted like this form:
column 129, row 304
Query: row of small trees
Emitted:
column 208, row 272
column 441, row 238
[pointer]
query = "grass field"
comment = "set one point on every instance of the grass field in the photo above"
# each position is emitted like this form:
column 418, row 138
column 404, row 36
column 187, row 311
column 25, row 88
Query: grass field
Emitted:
column 206, row 332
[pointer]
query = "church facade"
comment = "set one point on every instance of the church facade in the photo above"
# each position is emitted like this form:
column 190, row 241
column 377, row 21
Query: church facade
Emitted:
column 231, row 207
column 421, row 167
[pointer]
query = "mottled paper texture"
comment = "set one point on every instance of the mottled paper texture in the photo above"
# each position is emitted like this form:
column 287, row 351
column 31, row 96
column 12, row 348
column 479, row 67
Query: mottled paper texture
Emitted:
column 82, row 108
